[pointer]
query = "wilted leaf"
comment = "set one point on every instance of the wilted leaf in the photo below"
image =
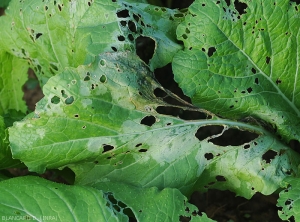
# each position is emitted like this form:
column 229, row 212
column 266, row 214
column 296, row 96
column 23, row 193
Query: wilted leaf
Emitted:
column 242, row 59
column 103, row 121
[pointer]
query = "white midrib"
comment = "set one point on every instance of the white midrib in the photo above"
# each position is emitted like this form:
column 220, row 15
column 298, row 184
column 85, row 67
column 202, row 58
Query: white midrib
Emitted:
column 297, row 66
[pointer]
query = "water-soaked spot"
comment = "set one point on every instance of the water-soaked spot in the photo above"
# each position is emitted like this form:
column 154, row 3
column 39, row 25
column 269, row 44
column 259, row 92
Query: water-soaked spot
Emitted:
column 148, row 120
column 107, row 148
column 69, row 100
column 145, row 48
column 103, row 79
column 102, row 62
column 234, row 137
column 211, row 51
column 87, row 77
column 208, row 131
column 269, row 156
column 208, row 156
column 55, row 100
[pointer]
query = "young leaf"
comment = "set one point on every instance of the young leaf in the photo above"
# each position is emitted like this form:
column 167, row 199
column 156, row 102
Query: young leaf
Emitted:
column 34, row 198
column 67, row 33
column 289, row 200
column 103, row 121
column 13, row 75
column 151, row 204
column 243, row 61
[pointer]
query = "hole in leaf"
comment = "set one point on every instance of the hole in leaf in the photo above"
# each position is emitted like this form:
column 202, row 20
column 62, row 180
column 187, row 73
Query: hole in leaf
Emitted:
column 256, row 81
column 63, row 94
column 69, row 100
column 139, row 144
column 76, row 115
column 295, row 145
column 234, row 137
column 165, row 77
column 268, row 59
column 130, row 37
column 123, row 14
column 208, row 131
column 114, row 49
column 249, row 90
column 211, row 51
column 183, row 114
column 269, row 156
column 143, row 150
column 121, row 38
column 38, row 35
column 55, row 100
column 145, row 48
column 220, row 178
column 148, row 120
column 247, row 146
column 240, row 7
column 107, row 148
column 132, row 26
column 253, row 70
column 278, row 81
column 209, row 156
column 159, row 92
column 227, row 2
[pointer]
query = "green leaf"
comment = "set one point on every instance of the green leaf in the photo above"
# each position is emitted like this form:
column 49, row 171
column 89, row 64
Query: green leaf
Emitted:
column 103, row 121
column 243, row 63
column 4, row 3
column 67, row 33
column 289, row 199
column 13, row 75
column 34, row 198
column 151, row 204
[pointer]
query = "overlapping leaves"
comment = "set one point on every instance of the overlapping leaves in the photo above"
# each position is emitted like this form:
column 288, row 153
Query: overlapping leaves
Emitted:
column 53, row 35
column 241, row 59
column 104, row 134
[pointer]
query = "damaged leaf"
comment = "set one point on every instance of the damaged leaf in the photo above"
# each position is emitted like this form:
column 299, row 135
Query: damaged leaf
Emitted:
column 101, row 121
column 240, row 63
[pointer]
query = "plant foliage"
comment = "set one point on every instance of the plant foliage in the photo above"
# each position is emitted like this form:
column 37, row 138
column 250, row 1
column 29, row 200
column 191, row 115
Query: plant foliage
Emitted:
column 102, row 118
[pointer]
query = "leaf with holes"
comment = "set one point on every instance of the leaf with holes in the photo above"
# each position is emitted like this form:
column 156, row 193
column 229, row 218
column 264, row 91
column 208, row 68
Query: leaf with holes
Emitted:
column 34, row 198
column 152, row 205
column 13, row 75
column 58, row 34
column 103, row 121
column 289, row 200
column 241, row 59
